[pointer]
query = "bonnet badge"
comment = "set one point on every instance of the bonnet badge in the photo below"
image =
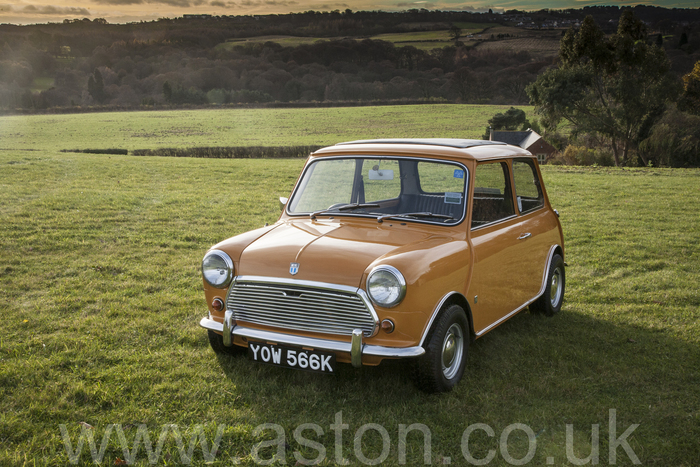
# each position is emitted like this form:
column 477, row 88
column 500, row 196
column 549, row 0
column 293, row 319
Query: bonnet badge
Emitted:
column 293, row 268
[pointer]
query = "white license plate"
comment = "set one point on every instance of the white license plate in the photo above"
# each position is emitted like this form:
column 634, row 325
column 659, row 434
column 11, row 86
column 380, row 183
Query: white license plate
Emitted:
column 291, row 357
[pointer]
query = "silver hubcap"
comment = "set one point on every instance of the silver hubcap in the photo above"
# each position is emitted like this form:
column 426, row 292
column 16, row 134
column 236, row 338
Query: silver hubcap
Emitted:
column 555, row 288
column 452, row 350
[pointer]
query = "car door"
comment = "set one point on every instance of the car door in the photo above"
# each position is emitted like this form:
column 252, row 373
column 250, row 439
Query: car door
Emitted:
column 500, row 280
column 535, row 225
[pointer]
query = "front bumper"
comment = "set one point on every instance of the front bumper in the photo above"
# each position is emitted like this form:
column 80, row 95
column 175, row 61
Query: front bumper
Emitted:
column 356, row 348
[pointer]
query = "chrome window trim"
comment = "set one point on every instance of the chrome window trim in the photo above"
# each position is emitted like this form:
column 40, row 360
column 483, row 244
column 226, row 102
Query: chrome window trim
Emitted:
column 527, row 213
column 495, row 222
column 370, row 156
column 314, row 285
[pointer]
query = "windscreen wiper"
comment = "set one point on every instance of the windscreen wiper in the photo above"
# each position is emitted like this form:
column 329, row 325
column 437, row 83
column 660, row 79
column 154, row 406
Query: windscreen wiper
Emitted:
column 415, row 215
column 344, row 207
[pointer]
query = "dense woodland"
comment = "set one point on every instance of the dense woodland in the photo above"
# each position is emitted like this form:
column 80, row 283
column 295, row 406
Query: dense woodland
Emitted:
column 82, row 64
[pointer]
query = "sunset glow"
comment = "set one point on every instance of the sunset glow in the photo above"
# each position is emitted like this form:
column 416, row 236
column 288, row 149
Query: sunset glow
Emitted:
column 123, row 11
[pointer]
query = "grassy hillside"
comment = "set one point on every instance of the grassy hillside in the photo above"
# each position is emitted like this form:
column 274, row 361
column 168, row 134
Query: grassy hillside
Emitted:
column 101, row 298
column 425, row 40
column 241, row 127
column 538, row 43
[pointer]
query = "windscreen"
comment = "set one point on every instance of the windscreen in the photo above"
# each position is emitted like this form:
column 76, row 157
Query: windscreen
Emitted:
column 417, row 189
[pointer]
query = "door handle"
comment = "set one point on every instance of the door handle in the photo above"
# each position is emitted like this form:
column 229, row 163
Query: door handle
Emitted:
column 524, row 236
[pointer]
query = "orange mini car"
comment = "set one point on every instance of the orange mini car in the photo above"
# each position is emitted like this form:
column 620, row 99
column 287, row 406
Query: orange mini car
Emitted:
column 390, row 249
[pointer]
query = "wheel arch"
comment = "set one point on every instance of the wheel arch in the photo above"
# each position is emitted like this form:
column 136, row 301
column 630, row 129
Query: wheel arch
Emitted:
column 451, row 298
column 558, row 250
column 553, row 250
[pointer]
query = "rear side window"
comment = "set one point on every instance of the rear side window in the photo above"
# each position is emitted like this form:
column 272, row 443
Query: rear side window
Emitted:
column 528, row 190
column 493, row 199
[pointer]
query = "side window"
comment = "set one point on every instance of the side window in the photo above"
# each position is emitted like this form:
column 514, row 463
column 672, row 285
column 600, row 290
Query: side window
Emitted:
column 493, row 198
column 528, row 191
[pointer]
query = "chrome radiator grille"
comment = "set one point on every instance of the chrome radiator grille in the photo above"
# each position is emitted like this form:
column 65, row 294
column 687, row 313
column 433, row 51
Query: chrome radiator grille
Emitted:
column 300, row 307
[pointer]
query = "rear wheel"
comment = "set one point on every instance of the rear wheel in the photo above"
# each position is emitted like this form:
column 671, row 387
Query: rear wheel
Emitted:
column 551, row 300
column 442, row 365
column 217, row 344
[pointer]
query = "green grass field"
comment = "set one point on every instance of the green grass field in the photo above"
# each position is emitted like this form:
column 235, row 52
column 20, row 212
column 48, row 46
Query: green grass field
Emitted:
column 242, row 127
column 101, row 298
column 425, row 40
column 42, row 84
column 285, row 41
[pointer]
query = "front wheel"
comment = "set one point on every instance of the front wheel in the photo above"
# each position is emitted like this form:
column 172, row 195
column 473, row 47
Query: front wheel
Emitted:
column 217, row 344
column 551, row 300
column 442, row 365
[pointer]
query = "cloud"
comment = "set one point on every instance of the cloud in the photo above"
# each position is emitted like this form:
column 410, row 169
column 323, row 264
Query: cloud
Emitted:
column 329, row 6
column 48, row 10
column 259, row 3
column 175, row 3
column 426, row 5
column 179, row 3
column 119, row 2
column 250, row 3
column 195, row 3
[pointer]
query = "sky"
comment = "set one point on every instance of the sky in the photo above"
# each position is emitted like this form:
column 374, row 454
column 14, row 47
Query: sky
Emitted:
column 124, row 11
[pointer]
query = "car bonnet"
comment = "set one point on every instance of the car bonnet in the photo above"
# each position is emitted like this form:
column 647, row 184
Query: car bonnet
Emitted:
column 329, row 251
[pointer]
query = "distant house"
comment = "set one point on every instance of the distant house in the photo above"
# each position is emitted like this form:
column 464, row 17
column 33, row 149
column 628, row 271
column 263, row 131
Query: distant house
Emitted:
column 529, row 140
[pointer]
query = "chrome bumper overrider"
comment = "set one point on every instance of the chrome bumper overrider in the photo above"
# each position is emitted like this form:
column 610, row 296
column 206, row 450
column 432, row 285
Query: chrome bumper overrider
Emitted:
column 356, row 348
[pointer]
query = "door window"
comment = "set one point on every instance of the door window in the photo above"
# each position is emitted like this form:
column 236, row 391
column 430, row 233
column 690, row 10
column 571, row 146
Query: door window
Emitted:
column 528, row 191
column 493, row 200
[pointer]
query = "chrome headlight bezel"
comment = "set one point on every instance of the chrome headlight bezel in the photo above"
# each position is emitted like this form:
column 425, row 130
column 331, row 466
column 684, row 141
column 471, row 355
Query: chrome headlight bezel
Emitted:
column 224, row 268
column 393, row 279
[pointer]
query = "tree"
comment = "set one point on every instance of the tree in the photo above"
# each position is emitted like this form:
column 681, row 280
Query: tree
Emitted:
column 511, row 120
column 168, row 92
column 462, row 81
column 513, row 81
column 455, row 33
column 674, row 141
column 96, row 86
column 690, row 101
column 472, row 86
column 616, row 88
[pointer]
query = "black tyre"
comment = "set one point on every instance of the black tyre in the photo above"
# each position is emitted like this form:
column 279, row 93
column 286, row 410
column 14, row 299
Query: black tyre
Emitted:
column 217, row 344
column 551, row 300
column 442, row 365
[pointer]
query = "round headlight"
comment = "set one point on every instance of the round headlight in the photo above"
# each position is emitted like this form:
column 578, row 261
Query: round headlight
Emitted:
column 386, row 286
column 217, row 269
